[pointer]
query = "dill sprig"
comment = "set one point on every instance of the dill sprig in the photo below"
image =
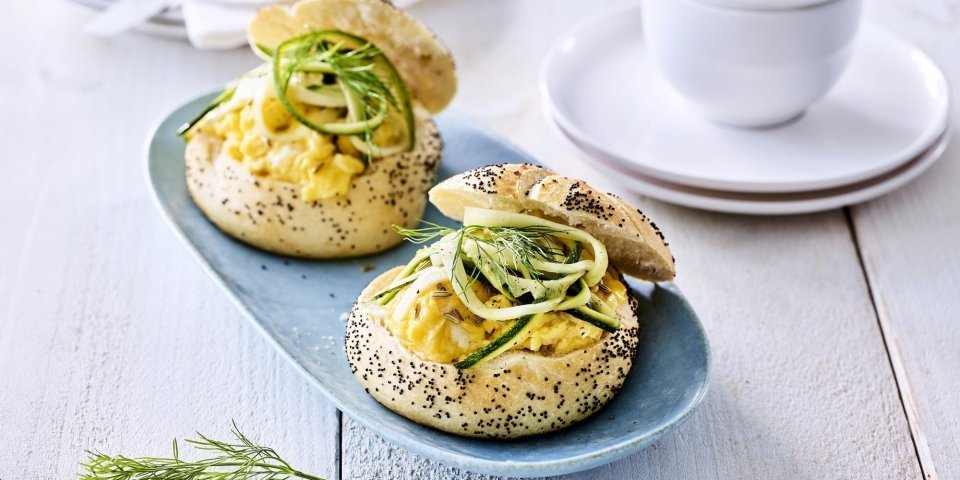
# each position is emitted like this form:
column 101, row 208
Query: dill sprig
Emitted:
column 239, row 460
column 525, row 243
column 353, row 68
column 525, row 246
column 430, row 232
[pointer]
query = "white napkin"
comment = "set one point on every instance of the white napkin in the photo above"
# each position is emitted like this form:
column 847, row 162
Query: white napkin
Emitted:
column 220, row 24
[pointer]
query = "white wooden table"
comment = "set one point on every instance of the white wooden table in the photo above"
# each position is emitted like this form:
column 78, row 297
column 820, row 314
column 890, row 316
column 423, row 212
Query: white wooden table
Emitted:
column 836, row 336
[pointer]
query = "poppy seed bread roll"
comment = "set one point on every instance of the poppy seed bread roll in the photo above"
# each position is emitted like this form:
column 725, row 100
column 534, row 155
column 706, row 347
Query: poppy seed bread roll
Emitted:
column 512, row 348
column 270, row 214
column 321, row 150
column 516, row 394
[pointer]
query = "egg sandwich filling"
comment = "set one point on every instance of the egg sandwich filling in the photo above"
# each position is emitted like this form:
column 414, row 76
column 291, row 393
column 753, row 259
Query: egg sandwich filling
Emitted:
column 505, row 281
column 317, row 115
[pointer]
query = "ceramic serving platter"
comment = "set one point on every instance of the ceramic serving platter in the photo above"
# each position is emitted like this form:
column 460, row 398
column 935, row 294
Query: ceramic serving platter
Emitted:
column 301, row 306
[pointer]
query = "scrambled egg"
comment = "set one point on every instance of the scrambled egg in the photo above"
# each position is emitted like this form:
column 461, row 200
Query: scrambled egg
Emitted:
column 439, row 327
column 322, row 166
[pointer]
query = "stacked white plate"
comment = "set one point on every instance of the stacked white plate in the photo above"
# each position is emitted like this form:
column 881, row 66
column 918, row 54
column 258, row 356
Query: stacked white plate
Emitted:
column 882, row 125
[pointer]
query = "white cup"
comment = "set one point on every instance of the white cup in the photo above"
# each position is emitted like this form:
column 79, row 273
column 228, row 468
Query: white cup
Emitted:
column 751, row 63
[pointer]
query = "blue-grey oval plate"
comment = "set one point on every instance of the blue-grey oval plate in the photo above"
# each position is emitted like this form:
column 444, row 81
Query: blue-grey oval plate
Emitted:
column 301, row 305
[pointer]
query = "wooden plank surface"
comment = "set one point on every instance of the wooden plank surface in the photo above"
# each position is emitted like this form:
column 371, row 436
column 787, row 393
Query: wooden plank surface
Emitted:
column 801, row 386
column 111, row 337
column 909, row 244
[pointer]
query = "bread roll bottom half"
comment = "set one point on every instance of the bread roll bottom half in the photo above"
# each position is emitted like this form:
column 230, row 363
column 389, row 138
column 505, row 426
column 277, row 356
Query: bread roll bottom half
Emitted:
column 515, row 394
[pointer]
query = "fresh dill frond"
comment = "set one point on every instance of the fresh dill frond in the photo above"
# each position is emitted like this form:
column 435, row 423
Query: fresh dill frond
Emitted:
column 241, row 459
column 513, row 248
column 525, row 244
column 356, row 70
column 430, row 232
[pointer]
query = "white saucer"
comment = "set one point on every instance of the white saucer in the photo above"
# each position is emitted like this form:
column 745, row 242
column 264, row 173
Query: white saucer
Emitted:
column 890, row 104
column 757, row 203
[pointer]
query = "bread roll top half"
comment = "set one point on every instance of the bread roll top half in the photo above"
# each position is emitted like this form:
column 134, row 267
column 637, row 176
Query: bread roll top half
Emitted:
column 635, row 244
column 421, row 59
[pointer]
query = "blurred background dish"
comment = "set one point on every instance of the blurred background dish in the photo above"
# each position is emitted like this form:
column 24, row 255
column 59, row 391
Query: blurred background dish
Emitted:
column 622, row 107
column 216, row 24
column 167, row 23
column 786, row 203
column 750, row 66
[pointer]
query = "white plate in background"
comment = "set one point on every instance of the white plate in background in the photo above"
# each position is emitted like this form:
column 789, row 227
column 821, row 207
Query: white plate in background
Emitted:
column 889, row 106
column 756, row 203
